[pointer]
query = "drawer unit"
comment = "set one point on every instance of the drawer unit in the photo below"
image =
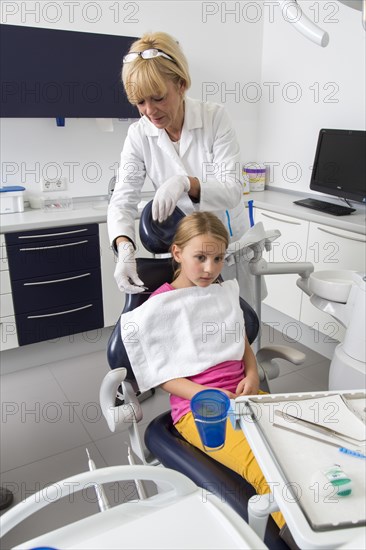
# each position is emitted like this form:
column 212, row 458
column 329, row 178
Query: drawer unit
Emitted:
column 55, row 281
column 49, row 234
column 50, row 257
column 64, row 288
column 48, row 324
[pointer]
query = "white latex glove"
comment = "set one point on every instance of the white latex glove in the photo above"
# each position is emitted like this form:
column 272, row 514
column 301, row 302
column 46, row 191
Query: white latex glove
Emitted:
column 125, row 273
column 167, row 196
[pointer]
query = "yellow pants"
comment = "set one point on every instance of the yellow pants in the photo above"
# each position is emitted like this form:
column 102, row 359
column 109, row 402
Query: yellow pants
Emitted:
column 236, row 455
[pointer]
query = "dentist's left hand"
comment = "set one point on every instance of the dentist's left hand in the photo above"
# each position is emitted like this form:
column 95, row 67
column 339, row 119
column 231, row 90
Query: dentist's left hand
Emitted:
column 125, row 273
column 167, row 196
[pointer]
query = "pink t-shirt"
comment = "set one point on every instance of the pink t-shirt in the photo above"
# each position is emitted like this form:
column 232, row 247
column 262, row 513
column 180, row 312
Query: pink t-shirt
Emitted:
column 226, row 375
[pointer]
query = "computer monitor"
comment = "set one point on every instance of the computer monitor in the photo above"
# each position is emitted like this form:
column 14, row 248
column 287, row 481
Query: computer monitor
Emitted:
column 340, row 164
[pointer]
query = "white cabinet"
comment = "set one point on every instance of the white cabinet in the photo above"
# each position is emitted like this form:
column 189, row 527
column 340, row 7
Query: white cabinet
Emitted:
column 331, row 248
column 326, row 247
column 8, row 331
column 283, row 294
column 113, row 298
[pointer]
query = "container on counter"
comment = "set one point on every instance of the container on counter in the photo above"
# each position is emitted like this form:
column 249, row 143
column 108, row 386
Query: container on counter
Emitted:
column 11, row 199
column 254, row 177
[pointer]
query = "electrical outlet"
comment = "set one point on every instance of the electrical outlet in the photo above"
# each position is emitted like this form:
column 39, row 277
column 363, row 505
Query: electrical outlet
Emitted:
column 54, row 185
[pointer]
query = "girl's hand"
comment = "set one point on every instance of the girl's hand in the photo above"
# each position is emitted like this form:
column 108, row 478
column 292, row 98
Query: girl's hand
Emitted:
column 230, row 394
column 248, row 386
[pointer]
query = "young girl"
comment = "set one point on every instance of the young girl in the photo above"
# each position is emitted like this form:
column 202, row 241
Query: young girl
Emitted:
column 198, row 250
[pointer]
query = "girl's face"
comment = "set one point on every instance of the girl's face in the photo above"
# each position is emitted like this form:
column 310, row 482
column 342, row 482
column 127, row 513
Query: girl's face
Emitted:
column 165, row 111
column 201, row 261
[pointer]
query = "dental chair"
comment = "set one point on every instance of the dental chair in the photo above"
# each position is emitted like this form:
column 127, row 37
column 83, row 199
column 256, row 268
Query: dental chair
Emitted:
column 165, row 446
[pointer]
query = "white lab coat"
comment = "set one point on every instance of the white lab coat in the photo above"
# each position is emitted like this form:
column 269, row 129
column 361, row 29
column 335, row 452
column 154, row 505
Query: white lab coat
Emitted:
column 209, row 150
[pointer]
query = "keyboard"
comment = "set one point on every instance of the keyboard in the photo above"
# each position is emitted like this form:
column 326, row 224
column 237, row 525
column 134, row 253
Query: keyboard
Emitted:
column 326, row 207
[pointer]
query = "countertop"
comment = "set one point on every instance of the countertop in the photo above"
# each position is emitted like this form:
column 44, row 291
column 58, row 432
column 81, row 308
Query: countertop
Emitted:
column 85, row 210
column 283, row 203
column 94, row 210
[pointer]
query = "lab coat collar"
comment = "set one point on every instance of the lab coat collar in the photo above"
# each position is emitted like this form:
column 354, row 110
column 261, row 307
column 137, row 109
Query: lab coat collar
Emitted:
column 192, row 120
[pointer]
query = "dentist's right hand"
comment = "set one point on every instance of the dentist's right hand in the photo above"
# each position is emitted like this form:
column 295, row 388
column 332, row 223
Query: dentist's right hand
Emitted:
column 125, row 273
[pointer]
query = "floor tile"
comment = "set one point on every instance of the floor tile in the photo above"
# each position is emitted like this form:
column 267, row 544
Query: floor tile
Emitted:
column 291, row 383
column 152, row 407
column 270, row 336
column 80, row 379
column 17, row 383
column 318, row 375
column 33, row 477
column 37, row 422
column 289, row 368
column 51, row 413
column 114, row 450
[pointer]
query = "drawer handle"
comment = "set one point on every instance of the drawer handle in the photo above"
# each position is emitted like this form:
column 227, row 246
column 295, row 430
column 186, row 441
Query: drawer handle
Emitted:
column 60, row 313
column 342, row 236
column 58, row 280
column 280, row 220
column 51, row 234
column 54, row 246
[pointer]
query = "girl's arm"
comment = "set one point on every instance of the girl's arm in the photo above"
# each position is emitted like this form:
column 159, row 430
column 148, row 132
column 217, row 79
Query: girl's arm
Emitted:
column 250, row 384
column 186, row 389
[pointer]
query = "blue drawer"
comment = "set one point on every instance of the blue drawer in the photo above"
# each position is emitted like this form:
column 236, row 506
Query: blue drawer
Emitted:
column 30, row 260
column 56, row 322
column 51, row 233
column 51, row 291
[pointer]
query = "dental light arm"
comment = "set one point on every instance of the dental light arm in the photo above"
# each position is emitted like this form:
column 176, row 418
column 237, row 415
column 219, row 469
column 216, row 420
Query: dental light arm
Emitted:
column 293, row 13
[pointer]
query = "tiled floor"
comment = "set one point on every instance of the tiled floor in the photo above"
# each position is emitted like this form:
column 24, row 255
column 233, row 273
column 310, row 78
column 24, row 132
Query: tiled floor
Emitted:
column 50, row 414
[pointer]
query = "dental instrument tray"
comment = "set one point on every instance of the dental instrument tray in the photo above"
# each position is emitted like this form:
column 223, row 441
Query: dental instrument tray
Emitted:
column 304, row 435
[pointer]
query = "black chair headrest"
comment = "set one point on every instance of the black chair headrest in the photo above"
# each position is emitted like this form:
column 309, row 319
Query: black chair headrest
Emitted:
column 157, row 237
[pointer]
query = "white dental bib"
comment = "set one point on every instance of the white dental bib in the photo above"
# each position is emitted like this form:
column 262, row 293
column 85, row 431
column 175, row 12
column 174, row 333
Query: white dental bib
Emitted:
column 184, row 332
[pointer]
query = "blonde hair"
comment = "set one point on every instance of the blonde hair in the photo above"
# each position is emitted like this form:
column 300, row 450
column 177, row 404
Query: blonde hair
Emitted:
column 194, row 225
column 144, row 78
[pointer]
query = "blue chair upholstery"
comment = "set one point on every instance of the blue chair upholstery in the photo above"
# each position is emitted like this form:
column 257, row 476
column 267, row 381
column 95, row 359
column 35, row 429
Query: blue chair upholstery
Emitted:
column 162, row 439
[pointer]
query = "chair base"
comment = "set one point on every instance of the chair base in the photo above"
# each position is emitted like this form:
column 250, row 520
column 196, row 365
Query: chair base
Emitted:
column 6, row 498
column 141, row 397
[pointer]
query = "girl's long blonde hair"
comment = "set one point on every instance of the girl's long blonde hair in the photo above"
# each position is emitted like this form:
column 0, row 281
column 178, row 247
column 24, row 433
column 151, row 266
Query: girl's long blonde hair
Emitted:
column 194, row 225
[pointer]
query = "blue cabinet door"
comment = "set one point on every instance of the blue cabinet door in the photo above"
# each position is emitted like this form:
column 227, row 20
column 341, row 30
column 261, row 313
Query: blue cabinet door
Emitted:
column 53, row 323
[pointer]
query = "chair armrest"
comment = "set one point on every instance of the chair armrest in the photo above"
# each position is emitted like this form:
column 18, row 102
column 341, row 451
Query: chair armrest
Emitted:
column 125, row 414
column 267, row 354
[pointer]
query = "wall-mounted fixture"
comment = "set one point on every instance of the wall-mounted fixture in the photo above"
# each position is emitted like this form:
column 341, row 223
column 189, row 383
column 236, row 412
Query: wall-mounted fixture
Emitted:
column 62, row 74
column 292, row 12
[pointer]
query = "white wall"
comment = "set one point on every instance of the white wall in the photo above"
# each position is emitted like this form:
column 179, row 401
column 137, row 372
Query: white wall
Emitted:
column 222, row 49
column 328, row 84
column 278, row 87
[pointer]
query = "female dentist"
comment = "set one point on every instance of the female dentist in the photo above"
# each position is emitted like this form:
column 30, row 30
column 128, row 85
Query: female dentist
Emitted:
column 187, row 148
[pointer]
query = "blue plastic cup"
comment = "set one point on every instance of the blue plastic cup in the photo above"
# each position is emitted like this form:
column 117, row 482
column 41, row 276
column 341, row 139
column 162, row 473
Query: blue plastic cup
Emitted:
column 210, row 409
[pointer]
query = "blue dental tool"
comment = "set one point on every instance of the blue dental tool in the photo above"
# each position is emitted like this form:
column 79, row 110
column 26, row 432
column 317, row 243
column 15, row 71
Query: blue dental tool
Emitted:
column 229, row 223
column 251, row 217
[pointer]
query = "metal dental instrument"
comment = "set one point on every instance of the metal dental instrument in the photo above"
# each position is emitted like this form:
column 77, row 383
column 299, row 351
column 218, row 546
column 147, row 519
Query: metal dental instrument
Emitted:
column 101, row 496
